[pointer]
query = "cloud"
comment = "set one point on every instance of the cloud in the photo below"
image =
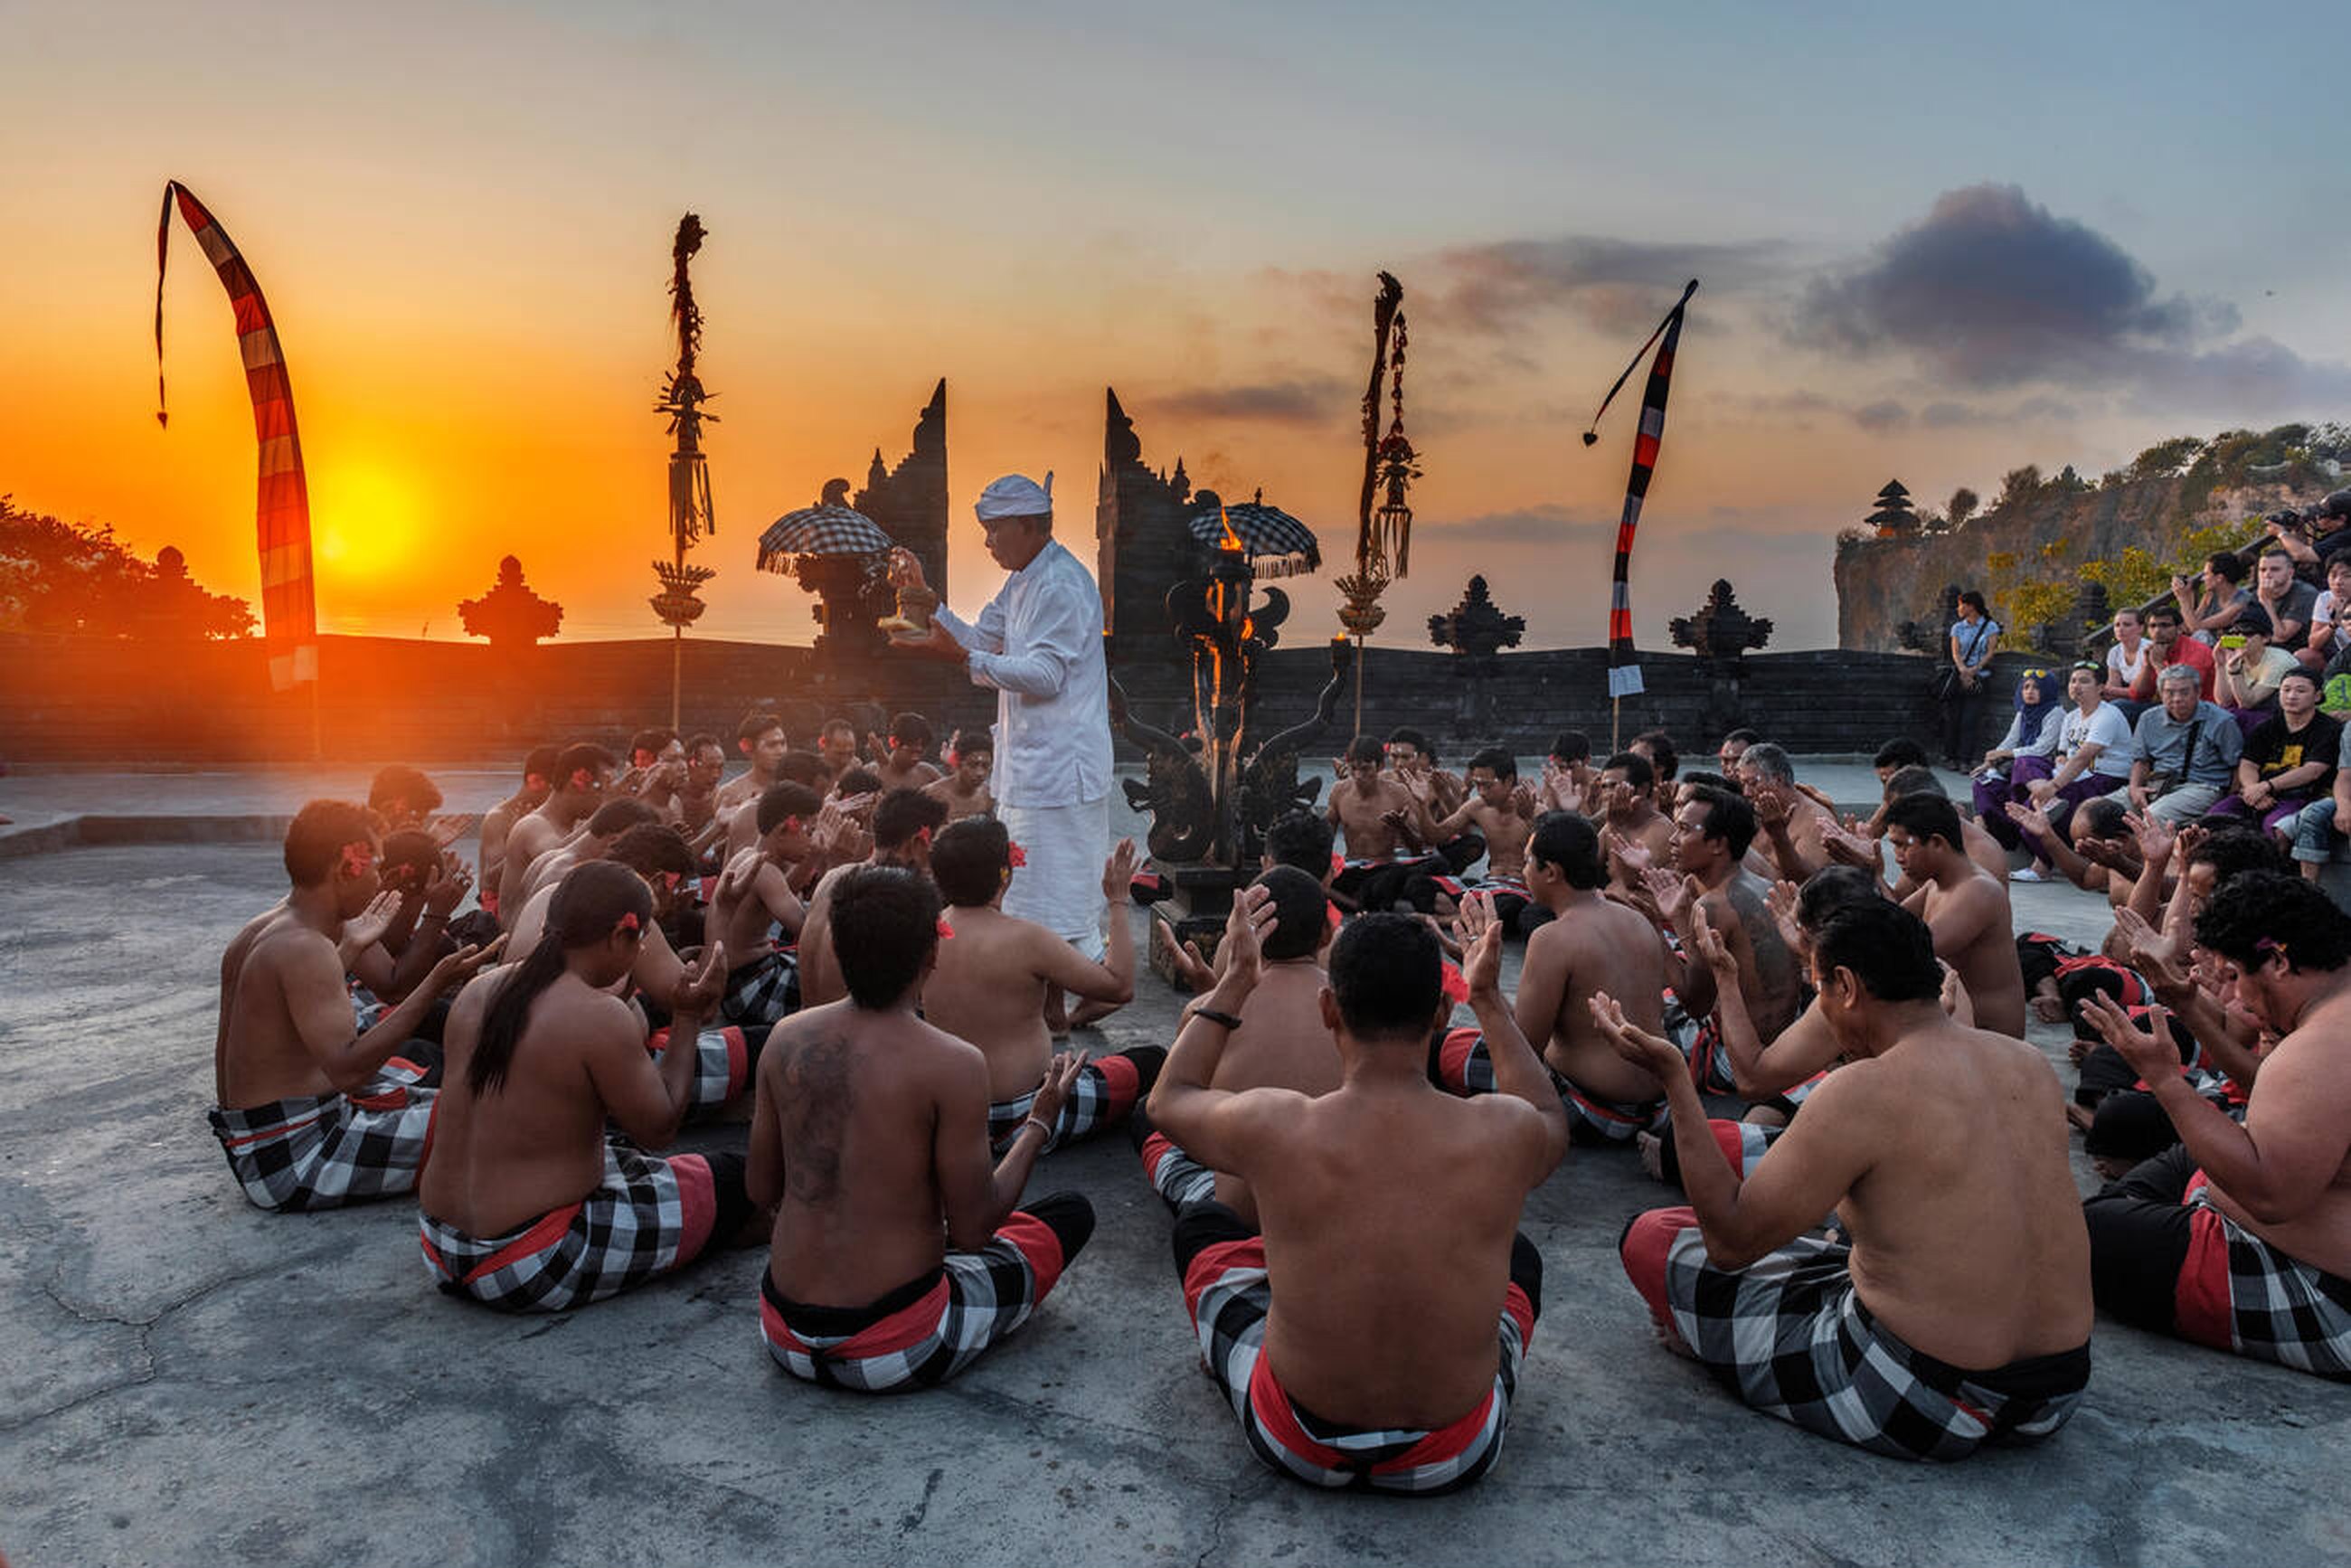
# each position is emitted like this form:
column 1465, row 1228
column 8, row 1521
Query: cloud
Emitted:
column 1546, row 523
column 1307, row 400
column 1944, row 414
column 1615, row 284
column 1882, row 416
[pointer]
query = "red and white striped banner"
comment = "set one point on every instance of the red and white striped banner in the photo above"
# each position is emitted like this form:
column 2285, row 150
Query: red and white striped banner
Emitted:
column 290, row 610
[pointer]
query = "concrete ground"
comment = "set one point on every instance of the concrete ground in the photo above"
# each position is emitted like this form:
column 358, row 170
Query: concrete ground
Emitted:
column 186, row 1378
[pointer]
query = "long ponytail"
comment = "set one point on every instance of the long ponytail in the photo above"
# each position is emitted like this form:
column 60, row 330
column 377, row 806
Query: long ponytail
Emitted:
column 594, row 899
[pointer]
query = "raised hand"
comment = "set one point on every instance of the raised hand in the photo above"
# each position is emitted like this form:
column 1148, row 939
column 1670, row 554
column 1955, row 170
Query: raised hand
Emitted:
column 736, row 879
column 1781, row 901
column 2032, row 819
column 457, row 968
column 1675, row 895
column 1849, row 847
column 1636, row 1045
column 368, row 928
column 701, row 983
column 444, row 889
column 1244, row 946
column 2153, row 1055
column 1522, row 802
column 1118, row 872
column 1054, row 1092
column 1708, row 943
column 2153, row 953
column 1480, row 936
column 1192, row 965
column 1772, row 807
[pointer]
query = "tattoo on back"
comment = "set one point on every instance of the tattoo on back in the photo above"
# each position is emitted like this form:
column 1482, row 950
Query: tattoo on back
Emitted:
column 820, row 1103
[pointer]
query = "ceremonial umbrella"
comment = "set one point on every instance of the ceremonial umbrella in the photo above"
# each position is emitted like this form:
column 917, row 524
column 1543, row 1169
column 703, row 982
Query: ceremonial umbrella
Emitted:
column 1276, row 544
column 825, row 529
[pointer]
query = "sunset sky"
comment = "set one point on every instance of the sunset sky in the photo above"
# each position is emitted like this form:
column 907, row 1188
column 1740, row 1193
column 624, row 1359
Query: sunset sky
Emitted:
column 1931, row 248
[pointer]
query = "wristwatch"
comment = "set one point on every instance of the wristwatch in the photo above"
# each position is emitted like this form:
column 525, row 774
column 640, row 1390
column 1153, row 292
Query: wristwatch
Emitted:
column 1221, row 1019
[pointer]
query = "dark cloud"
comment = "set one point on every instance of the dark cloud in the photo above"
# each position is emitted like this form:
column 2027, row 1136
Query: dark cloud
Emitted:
column 1547, row 523
column 1616, row 284
column 1310, row 400
column 1882, row 416
column 1944, row 414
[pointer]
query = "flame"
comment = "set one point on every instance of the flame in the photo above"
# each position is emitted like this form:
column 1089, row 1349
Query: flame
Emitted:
column 1232, row 542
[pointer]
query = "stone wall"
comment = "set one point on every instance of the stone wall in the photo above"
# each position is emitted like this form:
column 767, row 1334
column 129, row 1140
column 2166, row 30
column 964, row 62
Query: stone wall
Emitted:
column 910, row 501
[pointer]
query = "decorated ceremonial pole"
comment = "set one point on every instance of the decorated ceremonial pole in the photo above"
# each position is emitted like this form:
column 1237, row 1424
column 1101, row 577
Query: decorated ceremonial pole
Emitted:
column 678, row 603
column 1624, row 664
column 289, row 609
column 1382, row 537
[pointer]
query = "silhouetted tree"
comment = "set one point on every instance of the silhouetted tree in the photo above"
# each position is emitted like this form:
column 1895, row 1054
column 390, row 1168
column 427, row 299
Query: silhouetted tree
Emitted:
column 80, row 579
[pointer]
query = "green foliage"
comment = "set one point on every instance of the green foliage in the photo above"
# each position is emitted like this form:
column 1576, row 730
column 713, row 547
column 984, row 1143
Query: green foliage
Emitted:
column 2165, row 459
column 1962, row 505
column 2018, row 487
column 71, row 577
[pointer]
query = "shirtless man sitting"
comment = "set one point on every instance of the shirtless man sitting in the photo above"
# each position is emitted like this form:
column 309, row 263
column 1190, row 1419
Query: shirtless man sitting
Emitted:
column 1635, row 834
column 805, row 769
column 1966, row 910
column 1793, row 822
column 530, row 1202
column 697, row 802
column 1282, row 1041
column 2240, row 1237
column 837, row 745
column 593, row 842
column 761, row 740
column 537, row 784
column 753, row 897
column 1710, row 835
column 1960, row 1312
column 995, row 970
column 971, row 759
column 1981, row 847
column 311, row 1110
column 1373, row 1335
column 1591, row 944
column 1388, row 829
column 1501, row 812
column 898, row 1254
column 903, row 758
column 581, row 773
column 904, row 823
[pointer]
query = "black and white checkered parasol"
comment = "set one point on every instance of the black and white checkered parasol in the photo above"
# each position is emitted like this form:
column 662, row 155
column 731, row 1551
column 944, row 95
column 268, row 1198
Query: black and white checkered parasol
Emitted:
column 1276, row 544
column 828, row 529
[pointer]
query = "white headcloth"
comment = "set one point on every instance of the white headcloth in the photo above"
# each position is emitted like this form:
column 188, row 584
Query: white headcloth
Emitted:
column 1015, row 496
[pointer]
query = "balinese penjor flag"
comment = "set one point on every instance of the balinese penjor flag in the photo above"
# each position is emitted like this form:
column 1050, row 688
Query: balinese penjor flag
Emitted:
column 1624, row 664
column 290, row 610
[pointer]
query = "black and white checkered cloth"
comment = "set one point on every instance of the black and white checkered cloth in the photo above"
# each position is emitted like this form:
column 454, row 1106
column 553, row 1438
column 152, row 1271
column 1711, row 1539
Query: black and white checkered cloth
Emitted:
column 978, row 1299
column 2280, row 1307
column 722, row 1067
column 1106, row 1090
column 1465, row 1067
column 1276, row 543
column 1176, row 1176
column 820, row 530
column 646, row 1217
column 324, row 1150
column 765, row 990
column 1789, row 1336
column 1229, row 1294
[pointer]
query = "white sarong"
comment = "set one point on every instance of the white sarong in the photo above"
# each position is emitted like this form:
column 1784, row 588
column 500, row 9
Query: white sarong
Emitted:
column 1060, row 887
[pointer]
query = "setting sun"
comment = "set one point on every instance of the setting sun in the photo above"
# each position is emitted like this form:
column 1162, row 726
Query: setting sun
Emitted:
column 365, row 520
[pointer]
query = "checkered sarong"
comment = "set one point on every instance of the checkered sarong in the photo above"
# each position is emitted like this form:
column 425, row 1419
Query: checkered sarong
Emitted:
column 721, row 1068
column 647, row 1217
column 765, row 990
column 319, row 1151
column 2238, row 1292
column 1789, row 1336
column 1465, row 1067
column 973, row 1300
column 1175, row 1176
column 1229, row 1293
column 1106, row 1090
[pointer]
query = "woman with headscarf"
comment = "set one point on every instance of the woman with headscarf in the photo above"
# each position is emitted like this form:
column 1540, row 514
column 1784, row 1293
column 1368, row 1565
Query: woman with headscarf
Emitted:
column 2031, row 733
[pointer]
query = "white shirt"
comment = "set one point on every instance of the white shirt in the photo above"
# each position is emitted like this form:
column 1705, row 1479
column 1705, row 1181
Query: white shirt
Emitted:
column 2102, row 725
column 2126, row 670
column 1039, row 645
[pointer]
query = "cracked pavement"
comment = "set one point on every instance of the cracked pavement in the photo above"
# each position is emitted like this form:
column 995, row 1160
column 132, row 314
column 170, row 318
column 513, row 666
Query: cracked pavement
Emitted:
column 186, row 1378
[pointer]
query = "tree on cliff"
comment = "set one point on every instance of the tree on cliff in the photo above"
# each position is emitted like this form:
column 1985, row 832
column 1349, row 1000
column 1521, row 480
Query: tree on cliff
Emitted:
column 72, row 578
column 1962, row 506
column 2019, row 487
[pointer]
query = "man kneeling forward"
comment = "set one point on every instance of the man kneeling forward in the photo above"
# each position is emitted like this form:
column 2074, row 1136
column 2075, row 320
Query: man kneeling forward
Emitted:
column 1960, row 1313
column 1373, row 1335
column 870, row 1129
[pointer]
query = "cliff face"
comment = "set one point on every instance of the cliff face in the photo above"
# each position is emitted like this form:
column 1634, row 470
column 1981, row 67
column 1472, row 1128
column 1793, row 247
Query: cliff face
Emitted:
column 1881, row 583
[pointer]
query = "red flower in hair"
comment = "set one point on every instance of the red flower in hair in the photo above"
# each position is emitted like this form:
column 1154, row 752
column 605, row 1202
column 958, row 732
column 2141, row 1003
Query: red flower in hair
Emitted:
column 640, row 758
column 357, row 858
column 1015, row 856
column 581, row 778
column 945, row 930
column 1457, row 987
column 627, row 922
